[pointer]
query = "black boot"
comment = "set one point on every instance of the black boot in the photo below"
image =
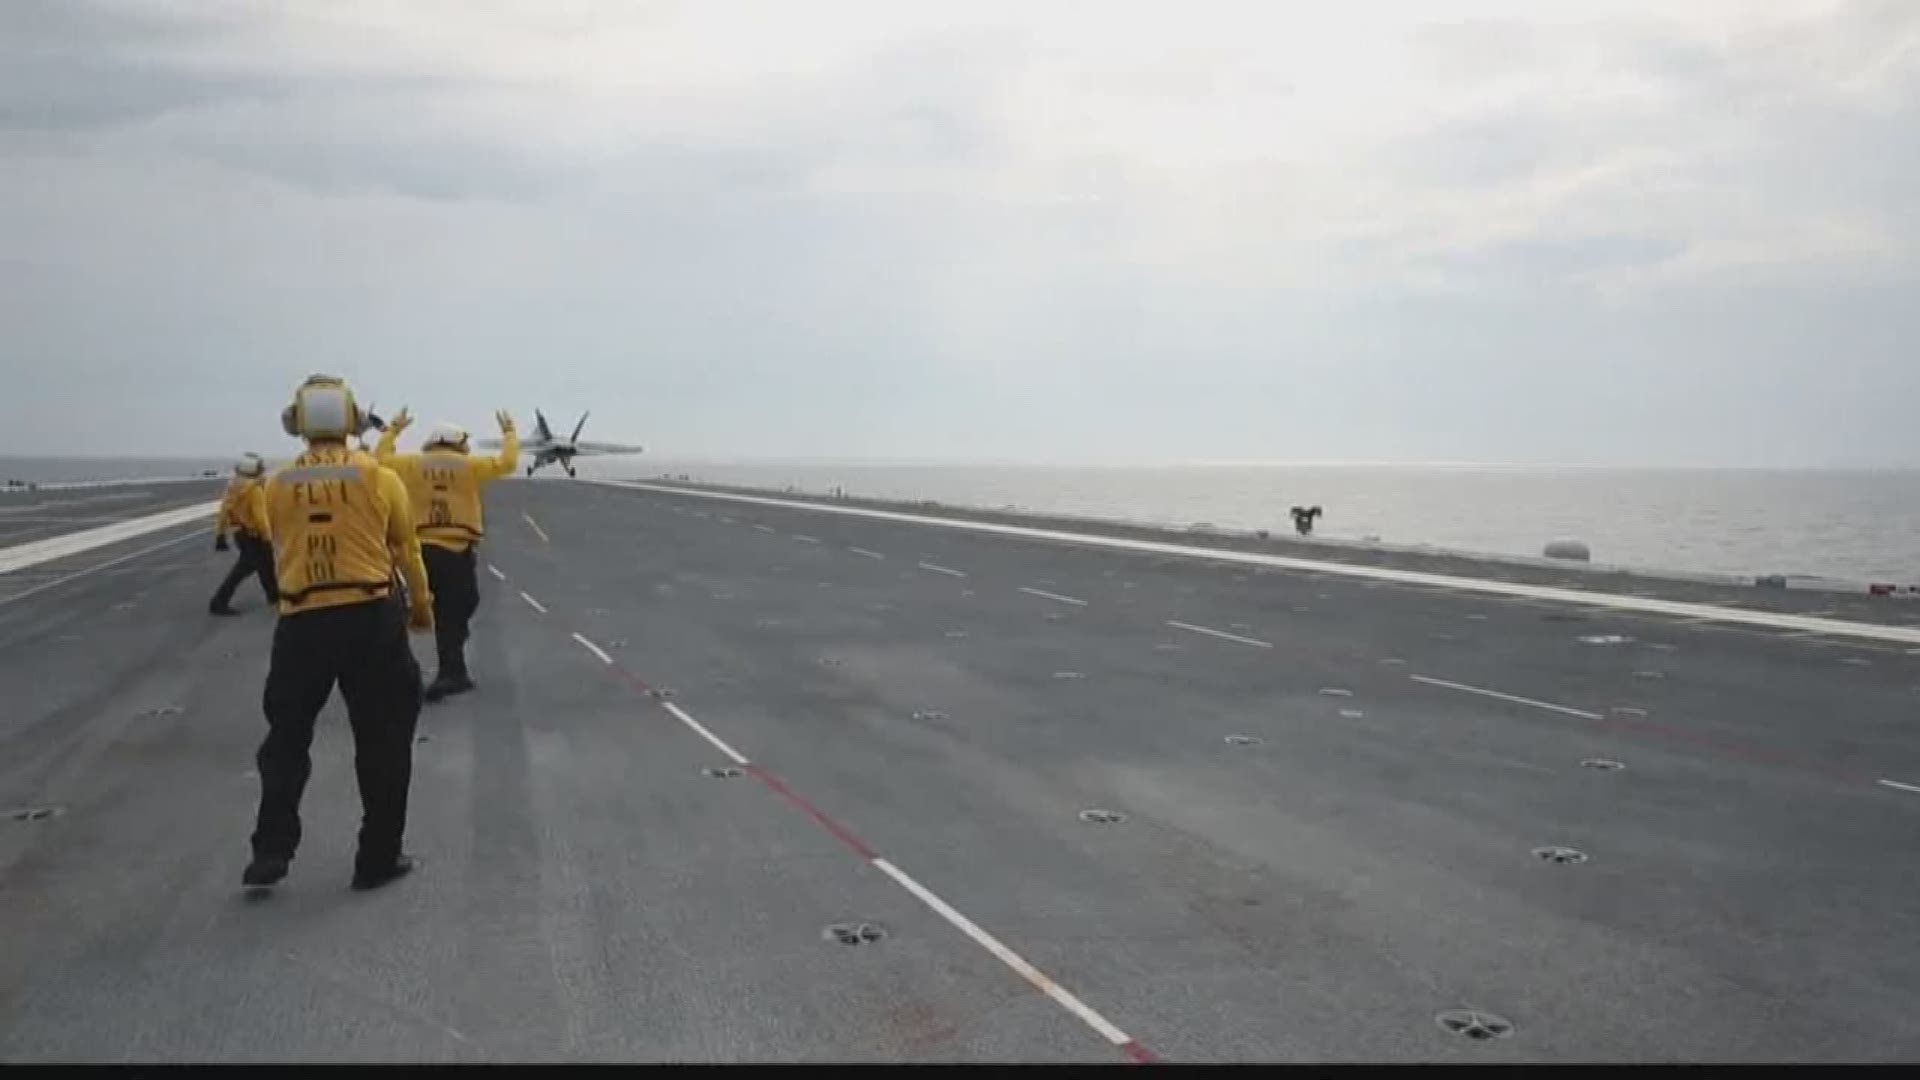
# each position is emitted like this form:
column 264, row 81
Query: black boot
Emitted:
column 448, row 683
column 372, row 877
column 264, row 871
column 452, row 677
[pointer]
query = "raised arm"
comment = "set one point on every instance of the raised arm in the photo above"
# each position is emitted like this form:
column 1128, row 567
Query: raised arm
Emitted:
column 390, row 437
column 508, row 459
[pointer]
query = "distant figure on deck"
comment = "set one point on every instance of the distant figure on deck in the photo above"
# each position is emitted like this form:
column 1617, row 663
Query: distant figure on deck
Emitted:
column 243, row 512
column 1303, row 518
column 445, row 485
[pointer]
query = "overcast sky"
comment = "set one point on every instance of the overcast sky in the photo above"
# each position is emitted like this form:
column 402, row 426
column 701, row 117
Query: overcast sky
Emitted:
column 1492, row 230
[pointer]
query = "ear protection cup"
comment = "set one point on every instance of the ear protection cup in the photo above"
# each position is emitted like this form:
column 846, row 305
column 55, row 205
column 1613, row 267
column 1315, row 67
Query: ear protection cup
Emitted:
column 323, row 408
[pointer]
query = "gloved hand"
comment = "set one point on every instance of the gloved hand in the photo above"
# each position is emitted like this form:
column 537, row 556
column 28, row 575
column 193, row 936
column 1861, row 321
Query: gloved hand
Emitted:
column 220, row 542
column 506, row 420
column 400, row 422
column 420, row 615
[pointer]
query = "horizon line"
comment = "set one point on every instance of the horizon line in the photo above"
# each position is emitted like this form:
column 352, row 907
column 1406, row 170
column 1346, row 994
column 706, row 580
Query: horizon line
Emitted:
column 642, row 462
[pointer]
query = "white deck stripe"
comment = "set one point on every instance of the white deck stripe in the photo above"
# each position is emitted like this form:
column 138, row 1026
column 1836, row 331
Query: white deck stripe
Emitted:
column 805, row 539
column 538, row 531
column 1210, row 632
column 866, row 553
column 1053, row 596
column 1061, row 995
column 1901, row 786
column 699, row 729
column 947, row 570
column 33, row 553
column 1515, row 698
column 129, row 557
column 1034, row 976
column 1588, row 598
column 592, row 648
column 495, row 571
column 534, row 604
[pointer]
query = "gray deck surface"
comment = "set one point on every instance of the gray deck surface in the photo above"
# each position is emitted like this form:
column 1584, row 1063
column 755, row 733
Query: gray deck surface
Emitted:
column 589, row 893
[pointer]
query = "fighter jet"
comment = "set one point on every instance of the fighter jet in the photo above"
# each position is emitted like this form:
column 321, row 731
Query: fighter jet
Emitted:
column 546, row 449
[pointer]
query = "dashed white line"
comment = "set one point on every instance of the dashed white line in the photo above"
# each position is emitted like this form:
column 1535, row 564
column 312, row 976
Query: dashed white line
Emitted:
column 1222, row 634
column 1034, row 976
column 863, row 552
column 537, row 530
column 1562, row 593
column 495, row 571
column 700, row 730
column 947, row 570
column 1515, row 698
column 592, row 648
column 1053, row 596
column 1903, row 787
column 534, row 604
column 764, row 528
column 805, row 539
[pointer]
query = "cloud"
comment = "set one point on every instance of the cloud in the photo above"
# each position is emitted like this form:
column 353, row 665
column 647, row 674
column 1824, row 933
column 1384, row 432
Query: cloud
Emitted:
column 1065, row 222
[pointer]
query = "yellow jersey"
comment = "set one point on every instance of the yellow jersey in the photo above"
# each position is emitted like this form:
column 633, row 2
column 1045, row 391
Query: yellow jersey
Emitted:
column 243, row 509
column 341, row 524
column 444, row 486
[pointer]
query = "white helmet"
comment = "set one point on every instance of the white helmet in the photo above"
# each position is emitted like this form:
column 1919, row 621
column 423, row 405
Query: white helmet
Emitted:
column 452, row 436
column 249, row 465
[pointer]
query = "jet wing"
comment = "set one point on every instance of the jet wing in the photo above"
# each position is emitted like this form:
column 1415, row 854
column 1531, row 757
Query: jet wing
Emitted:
column 592, row 449
column 495, row 444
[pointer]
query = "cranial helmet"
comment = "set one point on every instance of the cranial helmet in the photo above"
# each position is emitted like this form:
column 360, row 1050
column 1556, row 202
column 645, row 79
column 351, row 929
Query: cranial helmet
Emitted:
column 249, row 465
column 451, row 436
column 323, row 408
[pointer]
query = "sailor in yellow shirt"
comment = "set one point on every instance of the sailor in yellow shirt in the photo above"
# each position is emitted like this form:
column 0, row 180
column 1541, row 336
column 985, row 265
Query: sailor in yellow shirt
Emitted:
column 243, row 512
column 445, row 485
column 342, row 531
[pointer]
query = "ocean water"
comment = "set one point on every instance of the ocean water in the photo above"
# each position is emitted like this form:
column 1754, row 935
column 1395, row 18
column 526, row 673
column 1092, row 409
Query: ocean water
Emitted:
column 1862, row 525
column 67, row 470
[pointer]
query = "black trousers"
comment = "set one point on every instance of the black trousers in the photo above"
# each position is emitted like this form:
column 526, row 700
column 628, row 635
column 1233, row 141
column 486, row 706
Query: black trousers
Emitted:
column 363, row 648
column 255, row 557
column 456, row 596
